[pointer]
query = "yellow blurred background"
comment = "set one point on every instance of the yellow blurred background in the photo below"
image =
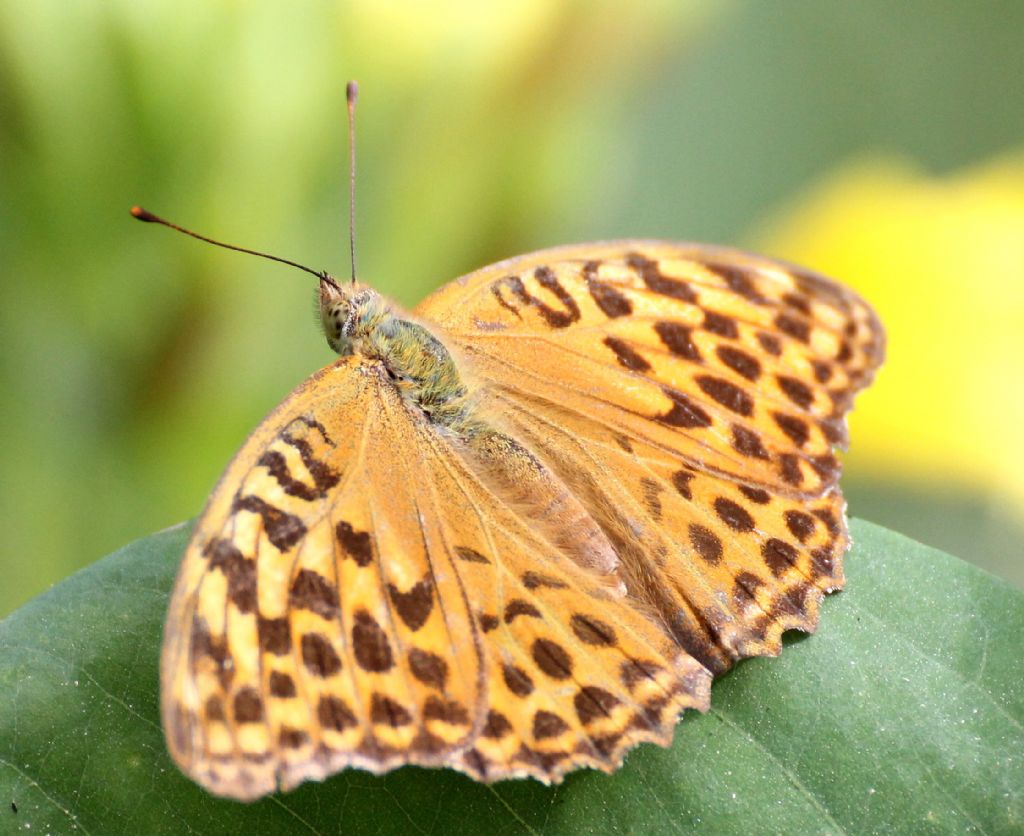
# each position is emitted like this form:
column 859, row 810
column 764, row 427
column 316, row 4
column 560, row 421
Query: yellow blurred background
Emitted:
column 882, row 144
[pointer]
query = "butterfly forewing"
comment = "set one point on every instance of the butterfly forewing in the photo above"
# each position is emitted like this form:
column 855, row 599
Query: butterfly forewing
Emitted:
column 739, row 364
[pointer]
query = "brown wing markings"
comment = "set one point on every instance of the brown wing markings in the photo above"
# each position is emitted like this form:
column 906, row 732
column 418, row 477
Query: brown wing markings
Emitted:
column 675, row 454
column 290, row 771
column 478, row 281
column 768, row 400
column 457, row 570
column 838, row 298
column 829, row 406
column 521, row 656
column 400, row 650
column 823, row 582
column 181, row 631
column 784, row 280
column 792, row 602
column 448, row 627
column 706, row 404
column 522, row 371
column 350, row 674
column 762, row 324
column 359, row 455
column 486, row 528
column 728, row 480
column 638, row 508
column 490, row 664
column 339, row 758
column 598, row 332
column 190, row 696
column 557, row 629
column 847, row 305
column 513, row 406
column 590, row 748
column 470, row 682
column 855, row 316
column 192, row 610
column 239, row 757
column 225, row 690
column 281, row 766
column 645, row 462
column 481, row 677
column 206, row 764
column 594, row 756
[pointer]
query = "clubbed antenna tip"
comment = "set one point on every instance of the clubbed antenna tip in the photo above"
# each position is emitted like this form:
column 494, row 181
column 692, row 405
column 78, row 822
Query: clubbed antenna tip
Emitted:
column 143, row 215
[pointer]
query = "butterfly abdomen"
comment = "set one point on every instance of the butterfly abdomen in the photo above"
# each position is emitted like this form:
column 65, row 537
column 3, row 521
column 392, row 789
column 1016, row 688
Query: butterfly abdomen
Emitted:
column 524, row 482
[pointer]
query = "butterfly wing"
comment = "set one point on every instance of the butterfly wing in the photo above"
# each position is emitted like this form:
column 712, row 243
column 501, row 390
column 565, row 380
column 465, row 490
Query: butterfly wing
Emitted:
column 692, row 396
column 353, row 595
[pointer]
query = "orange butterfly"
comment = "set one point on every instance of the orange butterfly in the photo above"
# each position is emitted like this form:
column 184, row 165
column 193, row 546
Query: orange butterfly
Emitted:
column 518, row 530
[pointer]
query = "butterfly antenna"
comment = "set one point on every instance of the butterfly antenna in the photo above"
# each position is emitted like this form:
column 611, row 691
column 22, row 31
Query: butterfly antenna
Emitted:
column 351, row 95
column 150, row 218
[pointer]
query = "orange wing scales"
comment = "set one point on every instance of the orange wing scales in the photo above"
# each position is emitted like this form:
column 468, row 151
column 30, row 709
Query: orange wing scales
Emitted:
column 362, row 591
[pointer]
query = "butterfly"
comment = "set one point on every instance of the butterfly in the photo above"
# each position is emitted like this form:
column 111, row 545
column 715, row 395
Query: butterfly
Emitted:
column 517, row 530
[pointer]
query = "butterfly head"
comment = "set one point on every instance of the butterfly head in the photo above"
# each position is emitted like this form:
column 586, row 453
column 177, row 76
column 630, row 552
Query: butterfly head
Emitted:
column 346, row 310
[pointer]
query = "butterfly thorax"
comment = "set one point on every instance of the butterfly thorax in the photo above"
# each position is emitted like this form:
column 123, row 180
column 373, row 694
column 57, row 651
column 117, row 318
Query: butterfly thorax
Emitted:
column 358, row 320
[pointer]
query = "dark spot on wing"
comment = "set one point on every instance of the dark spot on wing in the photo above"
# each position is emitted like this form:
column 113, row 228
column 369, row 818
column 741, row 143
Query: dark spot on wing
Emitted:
column 652, row 276
column 678, row 339
column 311, row 591
column 628, row 357
column 684, row 412
column 612, row 302
column 414, row 605
column 370, row 644
column 283, row 530
column 729, row 395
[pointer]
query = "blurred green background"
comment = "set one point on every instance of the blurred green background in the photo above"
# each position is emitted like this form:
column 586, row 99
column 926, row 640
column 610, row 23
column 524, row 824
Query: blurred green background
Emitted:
column 881, row 143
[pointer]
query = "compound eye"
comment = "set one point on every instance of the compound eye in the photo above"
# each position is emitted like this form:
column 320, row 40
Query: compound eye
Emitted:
column 335, row 320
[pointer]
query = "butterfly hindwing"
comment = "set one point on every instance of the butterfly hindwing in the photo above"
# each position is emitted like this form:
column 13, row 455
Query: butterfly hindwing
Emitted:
column 728, row 567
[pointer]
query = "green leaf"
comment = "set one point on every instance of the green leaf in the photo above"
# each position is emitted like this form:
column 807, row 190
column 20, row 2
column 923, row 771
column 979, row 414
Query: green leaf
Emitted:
column 904, row 712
